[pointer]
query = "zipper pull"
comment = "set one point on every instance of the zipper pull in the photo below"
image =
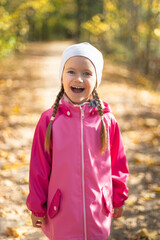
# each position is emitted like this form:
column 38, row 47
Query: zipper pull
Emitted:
column 82, row 113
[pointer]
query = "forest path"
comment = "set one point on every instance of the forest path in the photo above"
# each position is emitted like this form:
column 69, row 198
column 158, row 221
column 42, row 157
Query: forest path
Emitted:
column 28, row 85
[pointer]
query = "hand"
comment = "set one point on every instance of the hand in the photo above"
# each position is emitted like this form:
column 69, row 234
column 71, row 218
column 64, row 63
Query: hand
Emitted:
column 118, row 212
column 38, row 221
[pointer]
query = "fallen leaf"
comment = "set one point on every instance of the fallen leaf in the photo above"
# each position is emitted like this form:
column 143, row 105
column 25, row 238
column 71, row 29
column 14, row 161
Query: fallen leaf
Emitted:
column 146, row 197
column 141, row 217
column 131, row 200
column 145, row 234
column 11, row 166
column 151, row 122
column 16, row 110
column 15, row 231
column 157, row 190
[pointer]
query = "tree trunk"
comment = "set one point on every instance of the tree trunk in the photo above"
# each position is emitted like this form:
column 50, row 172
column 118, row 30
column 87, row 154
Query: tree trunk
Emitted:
column 81, row 16
column 86, row 9
column 149, row 38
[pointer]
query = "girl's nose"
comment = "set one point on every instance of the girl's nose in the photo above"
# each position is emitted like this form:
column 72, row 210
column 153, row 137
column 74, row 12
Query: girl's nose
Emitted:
column 79, row 78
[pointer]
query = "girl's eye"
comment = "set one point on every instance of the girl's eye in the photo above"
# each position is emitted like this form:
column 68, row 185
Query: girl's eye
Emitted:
column 87, row 74
column 71, row 72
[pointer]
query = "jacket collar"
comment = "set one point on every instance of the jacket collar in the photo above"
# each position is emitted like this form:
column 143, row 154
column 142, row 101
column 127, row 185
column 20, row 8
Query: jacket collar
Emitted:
column 89, row 108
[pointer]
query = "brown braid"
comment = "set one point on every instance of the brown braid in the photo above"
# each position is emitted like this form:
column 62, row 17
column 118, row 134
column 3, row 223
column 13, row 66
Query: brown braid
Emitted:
column 103, row 132
column 49, row 128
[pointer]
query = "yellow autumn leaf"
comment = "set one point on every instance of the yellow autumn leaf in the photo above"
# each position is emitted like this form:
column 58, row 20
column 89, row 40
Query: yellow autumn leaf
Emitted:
column 13, row 166
column 136, row 141
column 16, row 109
column 144, row 233
column 157, row 190
column 15, row 231
column 28, row 221
column 131, row 200
column 150, row 161
column 151, row 122
column 26, row 180
column 146, row 197
column 3, row 214
column 25, row 193
column 4, row 154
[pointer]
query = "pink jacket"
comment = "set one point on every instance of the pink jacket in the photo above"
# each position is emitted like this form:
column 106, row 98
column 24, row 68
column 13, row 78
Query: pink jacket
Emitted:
column 75, row 186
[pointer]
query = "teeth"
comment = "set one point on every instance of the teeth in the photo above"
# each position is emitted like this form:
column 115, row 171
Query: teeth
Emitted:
column 77, row 87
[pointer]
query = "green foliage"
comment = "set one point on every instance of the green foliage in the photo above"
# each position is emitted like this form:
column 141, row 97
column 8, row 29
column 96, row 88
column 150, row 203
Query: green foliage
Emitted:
column 129, row 29
column 15, row 21
column 35, row 20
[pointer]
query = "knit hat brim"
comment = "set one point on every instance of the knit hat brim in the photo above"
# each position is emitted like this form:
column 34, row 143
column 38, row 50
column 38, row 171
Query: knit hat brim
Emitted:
column 84, row 50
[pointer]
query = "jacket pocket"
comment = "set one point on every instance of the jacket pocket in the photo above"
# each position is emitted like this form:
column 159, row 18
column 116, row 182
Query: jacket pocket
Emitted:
column 55, row 204
column 107, row 201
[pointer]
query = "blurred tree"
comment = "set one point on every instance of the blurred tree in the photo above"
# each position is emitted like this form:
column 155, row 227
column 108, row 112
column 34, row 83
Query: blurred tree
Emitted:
column 129, row 30
column 86, row 9
column 14, row 22
column 39, row 20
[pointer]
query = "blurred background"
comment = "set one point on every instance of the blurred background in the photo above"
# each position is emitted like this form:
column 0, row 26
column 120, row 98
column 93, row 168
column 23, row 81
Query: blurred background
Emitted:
column 126, row 30
column 33, row 35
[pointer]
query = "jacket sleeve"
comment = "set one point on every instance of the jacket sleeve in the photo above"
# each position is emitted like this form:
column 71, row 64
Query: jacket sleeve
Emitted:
column 119, row 167
column 40, row 168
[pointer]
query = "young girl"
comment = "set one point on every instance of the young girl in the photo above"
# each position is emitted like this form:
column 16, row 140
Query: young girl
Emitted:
column 78, row 168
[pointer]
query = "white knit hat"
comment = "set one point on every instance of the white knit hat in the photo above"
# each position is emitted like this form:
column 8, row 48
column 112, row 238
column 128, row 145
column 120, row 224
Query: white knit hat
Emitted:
column 85, row 50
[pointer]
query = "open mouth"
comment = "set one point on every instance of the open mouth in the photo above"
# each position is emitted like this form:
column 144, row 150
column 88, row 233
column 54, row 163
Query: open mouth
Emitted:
column 77, row 89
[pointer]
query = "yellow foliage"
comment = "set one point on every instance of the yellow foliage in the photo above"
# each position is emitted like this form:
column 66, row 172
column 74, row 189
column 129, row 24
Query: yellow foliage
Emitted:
column 157, row 32
column 5, row 20
column 96, row 26
column 109, row 6
column 142, row 27
column 41, row 5
column 156, row 5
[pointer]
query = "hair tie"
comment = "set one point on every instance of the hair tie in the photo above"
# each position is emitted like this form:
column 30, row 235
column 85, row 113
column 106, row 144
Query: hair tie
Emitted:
column 52, row 118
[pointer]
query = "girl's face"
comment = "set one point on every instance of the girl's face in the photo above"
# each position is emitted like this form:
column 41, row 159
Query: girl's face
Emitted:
column 79, row 79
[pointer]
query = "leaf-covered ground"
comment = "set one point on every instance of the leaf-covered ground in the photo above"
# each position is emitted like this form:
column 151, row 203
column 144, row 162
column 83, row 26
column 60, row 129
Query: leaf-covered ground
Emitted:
column 28, row 86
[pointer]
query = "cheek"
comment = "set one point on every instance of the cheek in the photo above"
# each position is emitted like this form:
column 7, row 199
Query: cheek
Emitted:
column 91, row 85
column 66, row 81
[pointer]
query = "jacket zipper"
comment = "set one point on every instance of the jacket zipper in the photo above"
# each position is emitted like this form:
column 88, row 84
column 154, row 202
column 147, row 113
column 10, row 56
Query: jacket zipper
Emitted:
column 83, row 186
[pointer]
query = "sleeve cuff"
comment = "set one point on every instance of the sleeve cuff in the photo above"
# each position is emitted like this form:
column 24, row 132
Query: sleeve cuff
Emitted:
column 117, row 205
column 38, row 214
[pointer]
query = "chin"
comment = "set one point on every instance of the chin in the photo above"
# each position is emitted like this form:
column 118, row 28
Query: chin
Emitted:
column 77, row 101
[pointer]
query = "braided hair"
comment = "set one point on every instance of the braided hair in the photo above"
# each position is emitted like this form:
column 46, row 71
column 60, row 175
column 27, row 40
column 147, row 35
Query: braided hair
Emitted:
column 103, row 131
column 49, row 128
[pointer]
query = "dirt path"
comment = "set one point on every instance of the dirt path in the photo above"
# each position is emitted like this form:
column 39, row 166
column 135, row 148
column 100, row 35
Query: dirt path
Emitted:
column 28, row 85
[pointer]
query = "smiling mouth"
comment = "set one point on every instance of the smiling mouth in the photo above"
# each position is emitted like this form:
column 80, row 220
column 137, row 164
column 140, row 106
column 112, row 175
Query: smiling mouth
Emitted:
column 77, row 89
